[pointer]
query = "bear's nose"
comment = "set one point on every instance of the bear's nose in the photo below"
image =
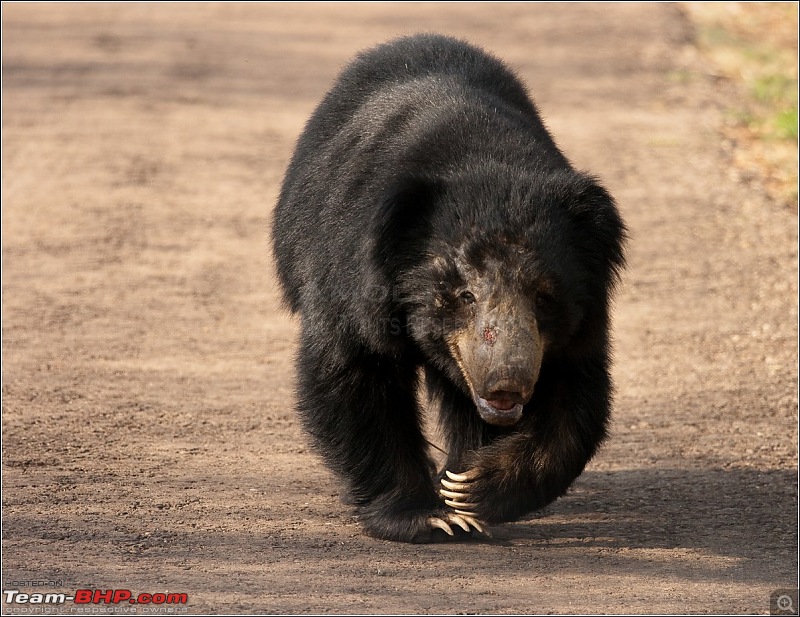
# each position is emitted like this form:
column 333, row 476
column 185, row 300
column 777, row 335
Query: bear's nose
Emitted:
column 508, row 386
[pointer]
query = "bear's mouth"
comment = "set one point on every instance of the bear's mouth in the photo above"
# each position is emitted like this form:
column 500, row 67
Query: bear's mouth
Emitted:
column 499, row 411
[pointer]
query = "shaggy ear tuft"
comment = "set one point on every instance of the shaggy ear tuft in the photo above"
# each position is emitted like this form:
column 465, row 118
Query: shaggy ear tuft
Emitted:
column 596, row 221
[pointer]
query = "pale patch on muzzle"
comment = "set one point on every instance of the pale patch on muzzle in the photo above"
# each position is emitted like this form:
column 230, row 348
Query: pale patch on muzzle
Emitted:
column 502, row 407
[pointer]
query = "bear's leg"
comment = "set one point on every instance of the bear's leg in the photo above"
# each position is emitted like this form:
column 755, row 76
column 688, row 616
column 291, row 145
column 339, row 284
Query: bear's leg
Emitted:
column 463, row 429
column 361, row 410
column 563, row 425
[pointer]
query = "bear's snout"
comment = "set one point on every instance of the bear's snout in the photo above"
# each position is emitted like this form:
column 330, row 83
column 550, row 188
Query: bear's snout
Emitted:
column 509, row 386
column 500, row 370
column 506, row 390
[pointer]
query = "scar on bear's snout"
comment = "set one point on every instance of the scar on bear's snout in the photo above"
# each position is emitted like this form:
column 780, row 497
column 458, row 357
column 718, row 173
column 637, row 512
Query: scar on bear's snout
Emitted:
column 490, row 335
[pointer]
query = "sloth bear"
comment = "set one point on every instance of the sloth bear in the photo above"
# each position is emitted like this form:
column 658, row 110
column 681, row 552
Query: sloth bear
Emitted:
column 427, row 220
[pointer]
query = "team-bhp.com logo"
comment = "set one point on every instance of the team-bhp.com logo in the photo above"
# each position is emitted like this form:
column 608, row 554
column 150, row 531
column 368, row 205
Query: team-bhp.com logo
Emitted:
column 94, row 596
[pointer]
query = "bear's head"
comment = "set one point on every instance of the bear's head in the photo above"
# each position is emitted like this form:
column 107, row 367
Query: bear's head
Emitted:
column 496, row 277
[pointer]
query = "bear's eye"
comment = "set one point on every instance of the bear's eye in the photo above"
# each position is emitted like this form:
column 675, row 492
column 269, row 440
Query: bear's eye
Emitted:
column 467, row 297
column 545, row 301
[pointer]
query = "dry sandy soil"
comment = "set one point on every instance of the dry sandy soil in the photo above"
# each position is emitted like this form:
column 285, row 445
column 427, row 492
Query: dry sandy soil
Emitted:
column 149, row 441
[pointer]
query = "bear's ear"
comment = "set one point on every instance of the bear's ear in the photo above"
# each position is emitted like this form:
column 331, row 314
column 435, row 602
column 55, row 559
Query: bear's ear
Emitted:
column 598, row 230
column 401, row 225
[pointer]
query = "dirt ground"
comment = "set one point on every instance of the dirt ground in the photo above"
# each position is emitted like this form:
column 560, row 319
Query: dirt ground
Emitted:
column 149, row 441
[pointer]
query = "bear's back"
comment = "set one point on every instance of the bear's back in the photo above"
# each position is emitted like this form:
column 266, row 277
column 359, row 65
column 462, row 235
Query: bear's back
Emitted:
column 420, row 106
column 410, row 59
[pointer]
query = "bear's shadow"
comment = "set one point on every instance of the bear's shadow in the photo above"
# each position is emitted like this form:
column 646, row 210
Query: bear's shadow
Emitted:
column 730, row 512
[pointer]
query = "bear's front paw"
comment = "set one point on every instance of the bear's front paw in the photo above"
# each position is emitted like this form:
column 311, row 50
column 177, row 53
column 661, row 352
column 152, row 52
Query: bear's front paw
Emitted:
column 417, row 524
column 461, row 519
column 457, row 495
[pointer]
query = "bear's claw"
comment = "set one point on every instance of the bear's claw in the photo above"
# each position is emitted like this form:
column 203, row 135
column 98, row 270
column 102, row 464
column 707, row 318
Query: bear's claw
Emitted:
column 456, row 494
column 440, row 524
column 462, row 519
column 467, row 476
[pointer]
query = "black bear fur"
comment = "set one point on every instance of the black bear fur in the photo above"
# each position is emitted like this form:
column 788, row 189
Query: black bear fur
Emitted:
column 424, row 172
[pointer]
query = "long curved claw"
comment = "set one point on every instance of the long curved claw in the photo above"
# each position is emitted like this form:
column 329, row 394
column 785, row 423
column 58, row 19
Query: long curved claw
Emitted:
column 467, row 476
column 460, row 504
column 438, row 523
column 474, row 522
column 454, row 486
column 452, row 495
column 458, row 520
